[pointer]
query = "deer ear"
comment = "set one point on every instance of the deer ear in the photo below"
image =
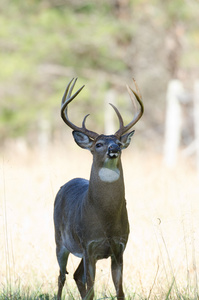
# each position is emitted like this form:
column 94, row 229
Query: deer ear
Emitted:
column 82, row 140
column 126, row 139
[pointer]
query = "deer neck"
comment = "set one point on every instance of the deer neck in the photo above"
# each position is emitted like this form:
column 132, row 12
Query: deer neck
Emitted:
column 106, row 186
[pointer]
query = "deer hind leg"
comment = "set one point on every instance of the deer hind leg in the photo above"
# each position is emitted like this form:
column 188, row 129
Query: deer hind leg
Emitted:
column 117, row 274
column 62, row 257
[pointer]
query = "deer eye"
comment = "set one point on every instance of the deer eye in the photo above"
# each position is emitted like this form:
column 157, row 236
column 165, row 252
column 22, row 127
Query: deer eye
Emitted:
column 98, row 145
column 119, row 144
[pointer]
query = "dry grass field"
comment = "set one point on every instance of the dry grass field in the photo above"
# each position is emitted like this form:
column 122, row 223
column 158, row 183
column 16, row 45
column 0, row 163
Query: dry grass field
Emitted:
column 162, row 256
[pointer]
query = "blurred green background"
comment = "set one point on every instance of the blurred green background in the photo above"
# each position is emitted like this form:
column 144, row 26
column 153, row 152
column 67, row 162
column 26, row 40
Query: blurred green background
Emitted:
column 105, row 43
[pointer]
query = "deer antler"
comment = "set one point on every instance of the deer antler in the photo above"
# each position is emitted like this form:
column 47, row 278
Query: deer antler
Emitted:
column 67, row 98
column 138, row 114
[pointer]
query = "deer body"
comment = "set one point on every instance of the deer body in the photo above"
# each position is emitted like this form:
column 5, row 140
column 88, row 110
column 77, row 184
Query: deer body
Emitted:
column 90, row 217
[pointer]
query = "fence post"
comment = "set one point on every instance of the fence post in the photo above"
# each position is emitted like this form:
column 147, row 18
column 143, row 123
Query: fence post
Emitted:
column 173, row 122
column 196, row 121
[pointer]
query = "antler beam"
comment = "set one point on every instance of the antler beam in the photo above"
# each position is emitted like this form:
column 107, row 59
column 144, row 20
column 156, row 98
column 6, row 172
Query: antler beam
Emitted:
column 137, row 115
column 67, row 98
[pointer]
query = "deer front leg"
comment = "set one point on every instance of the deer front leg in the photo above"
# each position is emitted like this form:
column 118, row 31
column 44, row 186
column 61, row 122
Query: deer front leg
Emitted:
column 117, row 274
column 90, row 277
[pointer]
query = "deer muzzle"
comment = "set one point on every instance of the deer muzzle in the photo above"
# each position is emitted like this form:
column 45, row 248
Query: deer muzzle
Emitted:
column 113, row 151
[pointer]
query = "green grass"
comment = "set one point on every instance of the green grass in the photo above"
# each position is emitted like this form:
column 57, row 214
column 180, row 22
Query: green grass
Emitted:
column 30, row 294
column 19, row 293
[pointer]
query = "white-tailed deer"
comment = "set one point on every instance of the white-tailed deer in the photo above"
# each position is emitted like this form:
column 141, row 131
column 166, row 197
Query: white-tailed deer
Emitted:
column 90, row 217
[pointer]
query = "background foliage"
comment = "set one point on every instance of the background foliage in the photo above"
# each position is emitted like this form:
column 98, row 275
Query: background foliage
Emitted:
column 105, row 43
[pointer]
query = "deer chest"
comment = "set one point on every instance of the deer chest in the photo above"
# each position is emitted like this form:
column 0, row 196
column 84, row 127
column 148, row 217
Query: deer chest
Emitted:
column 105, row 247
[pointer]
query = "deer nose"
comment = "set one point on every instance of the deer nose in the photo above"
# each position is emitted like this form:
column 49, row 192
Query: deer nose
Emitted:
column 113, row 150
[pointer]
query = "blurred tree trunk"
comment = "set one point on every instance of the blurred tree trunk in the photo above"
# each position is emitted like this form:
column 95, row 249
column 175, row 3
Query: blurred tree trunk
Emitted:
column 122, row 9
column 174, row 49
column 109, row 126
column 196, row 121
column 173, row 122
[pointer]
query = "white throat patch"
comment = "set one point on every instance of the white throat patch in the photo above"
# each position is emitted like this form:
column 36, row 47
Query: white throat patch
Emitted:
column 108, row 175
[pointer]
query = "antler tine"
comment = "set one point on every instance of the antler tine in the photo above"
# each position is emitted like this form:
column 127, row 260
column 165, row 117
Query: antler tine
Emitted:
column 118, row 114
column 84, row 120
column 138, row 114
column 67, row 98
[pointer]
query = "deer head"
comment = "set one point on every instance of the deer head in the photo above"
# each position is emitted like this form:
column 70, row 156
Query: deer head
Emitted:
column 91, row 140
